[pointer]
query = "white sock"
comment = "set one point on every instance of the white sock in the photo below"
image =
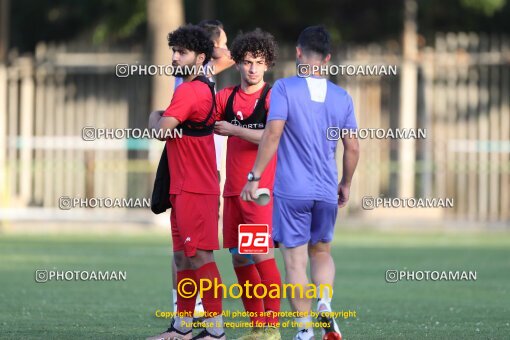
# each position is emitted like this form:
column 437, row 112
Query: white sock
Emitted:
column 216, row 325
column 174, row 297
column 305, row 324
column 199, row 308
column 183, row 324
column 199, row 300
column 324, row 302
column 324, row 305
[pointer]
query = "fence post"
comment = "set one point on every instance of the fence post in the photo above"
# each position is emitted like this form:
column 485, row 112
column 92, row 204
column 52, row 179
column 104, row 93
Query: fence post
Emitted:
column 163, row 16
column 3, row 133
column 27, row 94
column 504, row 213
column 408, row 97
column 428, row 73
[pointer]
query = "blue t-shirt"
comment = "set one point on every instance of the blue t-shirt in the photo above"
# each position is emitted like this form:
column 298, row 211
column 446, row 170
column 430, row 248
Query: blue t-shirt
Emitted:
column 306, row 167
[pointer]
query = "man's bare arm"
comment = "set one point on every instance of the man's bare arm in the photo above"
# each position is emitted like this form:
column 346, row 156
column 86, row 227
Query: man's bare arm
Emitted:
column 268, row 145
column 253, row 136
column 224, row 128
column 267, row 148
column 350, row 160
column 162, row 124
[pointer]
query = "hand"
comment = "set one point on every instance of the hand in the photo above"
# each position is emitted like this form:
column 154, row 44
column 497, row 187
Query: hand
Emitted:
column 220, row 51
column 248, row 193
column 343, row 194
column 154, row 118
column 224, row 128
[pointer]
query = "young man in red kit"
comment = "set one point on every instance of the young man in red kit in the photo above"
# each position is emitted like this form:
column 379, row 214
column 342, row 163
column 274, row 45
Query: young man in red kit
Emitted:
column 194, row 188
column 242, row 113
column 219, row 62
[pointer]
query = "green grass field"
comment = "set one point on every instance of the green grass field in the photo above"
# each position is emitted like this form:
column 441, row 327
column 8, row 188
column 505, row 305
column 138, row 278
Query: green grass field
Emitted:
column 125, row 310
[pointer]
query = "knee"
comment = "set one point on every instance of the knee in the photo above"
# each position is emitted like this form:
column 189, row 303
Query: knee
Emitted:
column 181, row 261
column 257, row 258
column 200, row 258
column 296, row 265
column 240, row 260
column 319, row 249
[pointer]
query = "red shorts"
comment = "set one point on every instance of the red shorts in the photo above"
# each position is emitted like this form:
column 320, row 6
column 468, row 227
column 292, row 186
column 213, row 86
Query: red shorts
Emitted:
column 194, row 221
column 236, row 211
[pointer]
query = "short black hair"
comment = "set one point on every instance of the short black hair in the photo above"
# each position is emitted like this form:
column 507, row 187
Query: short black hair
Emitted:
column 256, row 42
column 212, row 27
column 315, row 39
column 193, row 38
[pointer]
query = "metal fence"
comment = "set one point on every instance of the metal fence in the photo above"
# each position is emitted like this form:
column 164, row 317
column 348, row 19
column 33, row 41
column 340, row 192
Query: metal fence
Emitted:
column 48, row 99
column 463, row 87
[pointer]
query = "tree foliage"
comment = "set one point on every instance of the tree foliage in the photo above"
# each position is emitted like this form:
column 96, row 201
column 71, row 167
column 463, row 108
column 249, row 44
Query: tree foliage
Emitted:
column 123, row 23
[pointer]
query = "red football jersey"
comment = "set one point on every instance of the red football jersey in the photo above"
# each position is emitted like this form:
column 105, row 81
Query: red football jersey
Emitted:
column 192, row 160
column 241, row 154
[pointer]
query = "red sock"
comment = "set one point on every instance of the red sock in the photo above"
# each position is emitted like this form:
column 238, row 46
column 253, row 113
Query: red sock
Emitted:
column 269, row 274
column 250, row 274
column 212, row 304
column 186, row 304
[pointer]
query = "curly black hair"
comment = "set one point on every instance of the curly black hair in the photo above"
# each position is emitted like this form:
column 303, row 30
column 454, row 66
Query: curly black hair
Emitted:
column 258, row 43
column 193, row 38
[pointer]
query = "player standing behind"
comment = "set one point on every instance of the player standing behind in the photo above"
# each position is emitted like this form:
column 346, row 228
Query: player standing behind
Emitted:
column 194, row 181
column 242, row 114
column 220, row 61
column 306, row 193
